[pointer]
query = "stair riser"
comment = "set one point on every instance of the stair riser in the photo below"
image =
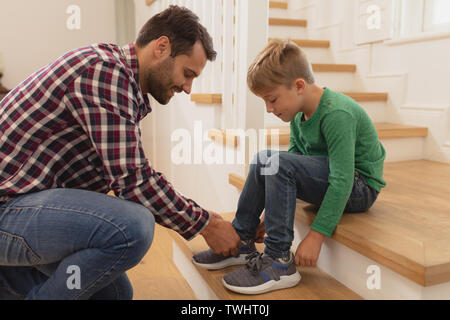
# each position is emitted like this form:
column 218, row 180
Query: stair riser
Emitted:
column 201, row 289
column 279, row 13
column 376, row 110
column 351, row 269
column 404, row 149
column 318, row 55
column 284, row 32
column 337, row 81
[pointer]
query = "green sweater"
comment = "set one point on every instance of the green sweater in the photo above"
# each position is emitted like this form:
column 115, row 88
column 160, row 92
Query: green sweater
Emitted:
column 341, row 130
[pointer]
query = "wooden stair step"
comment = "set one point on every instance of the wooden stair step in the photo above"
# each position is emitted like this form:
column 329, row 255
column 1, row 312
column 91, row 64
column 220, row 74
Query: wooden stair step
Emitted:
column 287, row 22
column 367, row 96
column 332, row 67
column 385, row 131
column 216, row 98
column 407, row 230
column 278, row 5
column 210, row 98
column 304, row 43
column 314, row 285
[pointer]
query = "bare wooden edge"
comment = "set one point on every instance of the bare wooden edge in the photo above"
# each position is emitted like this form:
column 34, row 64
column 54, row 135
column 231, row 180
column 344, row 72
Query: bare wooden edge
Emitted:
column 149, row 2
column 329, row 67
column 367, row 96
column 287, row 22
column 223, row 137
column 210, row 98
column 278, row 5
column 384, row 130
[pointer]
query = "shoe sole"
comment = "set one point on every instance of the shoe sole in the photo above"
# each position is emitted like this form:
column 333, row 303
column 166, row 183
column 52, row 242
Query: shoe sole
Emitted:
column 284, row 282
column 232, row 261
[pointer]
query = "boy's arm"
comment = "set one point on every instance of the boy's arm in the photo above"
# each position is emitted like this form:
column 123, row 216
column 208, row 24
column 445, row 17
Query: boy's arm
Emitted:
column 292, row 143
column 339, row 130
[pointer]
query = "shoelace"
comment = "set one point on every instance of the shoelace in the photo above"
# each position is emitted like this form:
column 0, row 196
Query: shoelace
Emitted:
column 255, row 262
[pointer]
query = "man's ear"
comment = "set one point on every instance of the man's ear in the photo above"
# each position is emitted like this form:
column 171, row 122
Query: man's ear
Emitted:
column 162, row 47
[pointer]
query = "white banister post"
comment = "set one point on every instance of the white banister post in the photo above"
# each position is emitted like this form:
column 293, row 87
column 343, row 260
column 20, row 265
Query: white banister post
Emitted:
column 252, row 35
column 227, row 64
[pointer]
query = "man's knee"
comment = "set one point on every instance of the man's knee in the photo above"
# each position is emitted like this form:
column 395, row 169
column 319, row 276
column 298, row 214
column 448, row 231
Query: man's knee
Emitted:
column 141, row 230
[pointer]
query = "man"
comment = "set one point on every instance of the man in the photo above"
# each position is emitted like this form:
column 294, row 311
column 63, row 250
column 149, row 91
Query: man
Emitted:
column 70, row 134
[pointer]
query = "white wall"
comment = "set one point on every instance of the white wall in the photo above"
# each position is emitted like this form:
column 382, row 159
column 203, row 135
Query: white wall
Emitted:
column 34, row 33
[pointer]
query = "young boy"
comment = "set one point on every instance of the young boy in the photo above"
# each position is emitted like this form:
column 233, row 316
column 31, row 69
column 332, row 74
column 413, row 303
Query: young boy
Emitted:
column 335, row 161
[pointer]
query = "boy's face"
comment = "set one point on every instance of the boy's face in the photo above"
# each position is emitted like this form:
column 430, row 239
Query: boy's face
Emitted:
column 283, row 102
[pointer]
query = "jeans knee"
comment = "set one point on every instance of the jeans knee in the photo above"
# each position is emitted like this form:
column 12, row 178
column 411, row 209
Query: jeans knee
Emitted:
column 280, row 163
column 141, row 232
column 261, row 160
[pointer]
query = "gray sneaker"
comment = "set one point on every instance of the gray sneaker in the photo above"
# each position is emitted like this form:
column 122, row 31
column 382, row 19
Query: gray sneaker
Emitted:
column 261, row 274
column 209, row 260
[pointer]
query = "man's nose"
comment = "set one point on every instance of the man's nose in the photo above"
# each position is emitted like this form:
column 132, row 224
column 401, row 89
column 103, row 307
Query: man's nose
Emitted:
column 187, row 87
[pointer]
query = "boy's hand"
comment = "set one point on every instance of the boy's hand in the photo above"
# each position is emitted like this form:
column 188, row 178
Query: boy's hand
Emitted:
column 221, row 236
column 308, row 250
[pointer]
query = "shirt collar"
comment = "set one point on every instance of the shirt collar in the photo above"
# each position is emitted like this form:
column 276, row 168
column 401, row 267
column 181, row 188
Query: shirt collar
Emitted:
column 133, row 63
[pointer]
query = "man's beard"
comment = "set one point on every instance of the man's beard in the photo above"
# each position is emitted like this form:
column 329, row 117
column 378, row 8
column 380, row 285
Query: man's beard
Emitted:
column 159, row 81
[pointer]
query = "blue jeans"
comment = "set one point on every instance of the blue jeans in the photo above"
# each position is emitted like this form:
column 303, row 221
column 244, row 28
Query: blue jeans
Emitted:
column 297, row 176
column 69, row 244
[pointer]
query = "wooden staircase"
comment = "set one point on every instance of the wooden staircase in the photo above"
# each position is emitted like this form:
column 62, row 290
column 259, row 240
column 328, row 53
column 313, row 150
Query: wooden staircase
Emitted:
column 407, row 230
column 314, row 285
column 405, row 234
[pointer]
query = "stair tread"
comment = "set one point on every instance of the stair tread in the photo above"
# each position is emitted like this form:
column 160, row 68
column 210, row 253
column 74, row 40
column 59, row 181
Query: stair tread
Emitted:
column 312, row 43
column 278, row 5
column 407, row 229
column 216, row 98
column 333, row 67
column 385, row 131
column 314, row 285
column 287, row 22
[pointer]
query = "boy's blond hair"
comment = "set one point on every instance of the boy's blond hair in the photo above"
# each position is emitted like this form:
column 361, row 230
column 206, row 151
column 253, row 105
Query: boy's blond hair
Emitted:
column 280, row 63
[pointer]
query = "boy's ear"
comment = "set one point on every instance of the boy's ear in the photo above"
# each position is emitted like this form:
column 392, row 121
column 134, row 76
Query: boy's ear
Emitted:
column 300, row 85
column 162, row 47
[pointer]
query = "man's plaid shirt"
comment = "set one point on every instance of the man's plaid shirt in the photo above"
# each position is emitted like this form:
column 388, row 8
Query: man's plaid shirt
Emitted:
column 75, row 124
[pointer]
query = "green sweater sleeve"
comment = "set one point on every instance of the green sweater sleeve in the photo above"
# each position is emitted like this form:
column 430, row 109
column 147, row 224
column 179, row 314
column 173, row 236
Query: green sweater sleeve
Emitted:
column 339, row 131
column 292, row 146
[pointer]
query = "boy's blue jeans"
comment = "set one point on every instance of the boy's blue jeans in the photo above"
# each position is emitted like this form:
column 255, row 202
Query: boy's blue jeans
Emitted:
column 71, row 244
column 296, row 176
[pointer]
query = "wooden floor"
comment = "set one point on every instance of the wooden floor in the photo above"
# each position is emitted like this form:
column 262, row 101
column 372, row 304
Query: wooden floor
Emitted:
column 314, row 285
column 408, row 228
column 156, row 277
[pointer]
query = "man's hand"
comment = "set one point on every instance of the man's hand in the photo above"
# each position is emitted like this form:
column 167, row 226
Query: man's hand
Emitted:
column 221, row 236
column 308, row 250
column 261, row 230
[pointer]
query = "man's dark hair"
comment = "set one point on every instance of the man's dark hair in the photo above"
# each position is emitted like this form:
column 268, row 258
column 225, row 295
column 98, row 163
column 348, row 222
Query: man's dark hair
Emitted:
column 183, row 29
